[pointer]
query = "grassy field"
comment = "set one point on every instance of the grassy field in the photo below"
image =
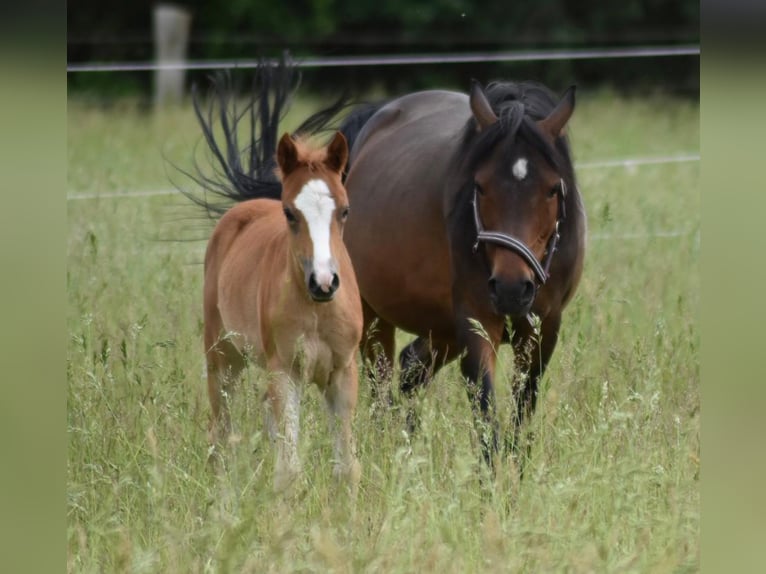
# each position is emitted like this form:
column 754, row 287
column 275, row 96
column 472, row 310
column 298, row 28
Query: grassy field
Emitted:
column 613, row 483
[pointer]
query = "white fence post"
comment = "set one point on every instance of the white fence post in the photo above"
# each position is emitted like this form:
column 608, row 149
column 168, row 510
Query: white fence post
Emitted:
column 171, row 38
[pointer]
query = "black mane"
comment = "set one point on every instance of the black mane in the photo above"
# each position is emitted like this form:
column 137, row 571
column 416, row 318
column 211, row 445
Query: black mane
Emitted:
column 518, row 106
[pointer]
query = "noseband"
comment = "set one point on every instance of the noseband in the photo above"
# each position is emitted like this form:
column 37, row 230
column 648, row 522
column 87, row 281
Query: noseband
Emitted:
column 517, row 246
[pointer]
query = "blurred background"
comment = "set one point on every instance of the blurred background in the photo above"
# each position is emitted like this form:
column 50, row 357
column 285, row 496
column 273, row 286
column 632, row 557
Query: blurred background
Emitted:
column 130, row 34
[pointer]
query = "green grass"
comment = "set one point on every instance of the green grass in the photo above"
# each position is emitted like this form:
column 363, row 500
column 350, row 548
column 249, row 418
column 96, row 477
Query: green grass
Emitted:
column 613, row 483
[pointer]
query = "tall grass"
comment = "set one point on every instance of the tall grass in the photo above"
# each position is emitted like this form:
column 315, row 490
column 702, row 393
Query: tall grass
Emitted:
column 613, row 481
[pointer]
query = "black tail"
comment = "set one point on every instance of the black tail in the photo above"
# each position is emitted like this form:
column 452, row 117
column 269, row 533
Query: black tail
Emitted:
column 273, row 86
column 242, row 173
column 352, row 124
column 355, row 121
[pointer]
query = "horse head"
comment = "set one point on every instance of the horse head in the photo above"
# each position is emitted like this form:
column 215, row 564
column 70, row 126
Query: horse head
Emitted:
column 315, row 204
column 519, row 178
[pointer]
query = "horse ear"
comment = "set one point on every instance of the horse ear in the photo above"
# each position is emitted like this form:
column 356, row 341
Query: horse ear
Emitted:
column 337, row 153
column 287, row 155
column 555, row 123
column 480, row 107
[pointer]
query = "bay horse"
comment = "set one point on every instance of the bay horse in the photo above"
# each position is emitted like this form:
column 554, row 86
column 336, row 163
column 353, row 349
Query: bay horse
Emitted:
column 468, row 224
column 279, row 286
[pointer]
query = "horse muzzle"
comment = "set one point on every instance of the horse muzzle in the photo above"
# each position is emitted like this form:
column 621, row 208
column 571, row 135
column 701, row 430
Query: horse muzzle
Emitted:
column 323, row 290
column 515, row 298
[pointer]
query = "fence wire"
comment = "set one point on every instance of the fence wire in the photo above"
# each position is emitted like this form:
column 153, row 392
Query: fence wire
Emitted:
column 399, row 60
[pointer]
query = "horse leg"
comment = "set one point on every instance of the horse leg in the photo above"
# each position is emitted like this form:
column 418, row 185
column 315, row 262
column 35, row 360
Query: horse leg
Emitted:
column 224, row 364
column 419, row 362
column 340, row 396
column 281, row 404
column 478, row 369
column 378, row 353
column 532, row 352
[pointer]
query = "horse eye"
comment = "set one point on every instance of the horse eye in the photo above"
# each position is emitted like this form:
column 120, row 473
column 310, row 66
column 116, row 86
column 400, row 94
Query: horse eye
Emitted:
column 344, row 214
column 478, row 188
column 291, row 219
column 554, row 190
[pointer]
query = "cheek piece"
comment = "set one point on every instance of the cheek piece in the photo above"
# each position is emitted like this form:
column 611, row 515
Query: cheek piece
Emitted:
column 541, row 270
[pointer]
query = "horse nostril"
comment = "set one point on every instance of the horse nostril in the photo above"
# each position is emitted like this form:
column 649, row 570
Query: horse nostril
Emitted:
column 335, row 281
column 527, row 290
column 313, row 285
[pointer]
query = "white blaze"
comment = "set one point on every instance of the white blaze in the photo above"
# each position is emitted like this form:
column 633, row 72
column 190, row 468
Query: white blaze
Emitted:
column 316, row 204
column 520, row 168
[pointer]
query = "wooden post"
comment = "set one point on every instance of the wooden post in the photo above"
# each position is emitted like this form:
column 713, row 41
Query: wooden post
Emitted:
column 171, row 38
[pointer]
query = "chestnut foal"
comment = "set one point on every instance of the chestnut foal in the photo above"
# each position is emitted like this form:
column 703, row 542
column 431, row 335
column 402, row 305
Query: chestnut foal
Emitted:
column 280, row 288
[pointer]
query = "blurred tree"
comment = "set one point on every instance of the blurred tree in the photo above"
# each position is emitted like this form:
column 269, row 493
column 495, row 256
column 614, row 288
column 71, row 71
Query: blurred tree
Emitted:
column 101, row 31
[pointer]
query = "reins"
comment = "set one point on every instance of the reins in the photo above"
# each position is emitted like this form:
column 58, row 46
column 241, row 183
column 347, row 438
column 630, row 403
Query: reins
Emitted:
column 541, row 270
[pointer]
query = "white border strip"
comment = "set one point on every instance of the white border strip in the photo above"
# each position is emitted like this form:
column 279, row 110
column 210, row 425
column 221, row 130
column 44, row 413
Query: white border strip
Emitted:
column 624, row 163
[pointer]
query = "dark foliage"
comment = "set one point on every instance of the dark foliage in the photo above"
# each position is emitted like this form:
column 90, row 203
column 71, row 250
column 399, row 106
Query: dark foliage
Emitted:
column 249, row 29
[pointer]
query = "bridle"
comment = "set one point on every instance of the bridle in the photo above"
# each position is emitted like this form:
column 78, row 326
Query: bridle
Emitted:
column 541, row 270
